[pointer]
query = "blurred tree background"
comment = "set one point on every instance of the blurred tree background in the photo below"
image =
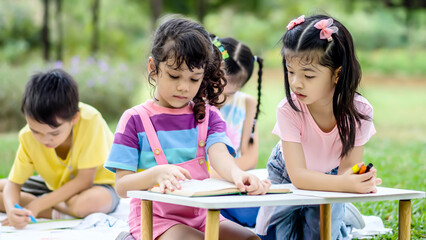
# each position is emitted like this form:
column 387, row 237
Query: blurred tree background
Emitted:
column 105, row 43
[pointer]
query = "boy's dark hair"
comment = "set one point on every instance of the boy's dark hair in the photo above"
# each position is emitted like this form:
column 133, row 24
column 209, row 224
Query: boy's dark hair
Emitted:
column 304, row 41
column 188, row 42
column 49, row 96
column 241, row 61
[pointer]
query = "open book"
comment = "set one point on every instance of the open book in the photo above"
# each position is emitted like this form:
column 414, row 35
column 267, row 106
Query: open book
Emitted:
column 213, row 187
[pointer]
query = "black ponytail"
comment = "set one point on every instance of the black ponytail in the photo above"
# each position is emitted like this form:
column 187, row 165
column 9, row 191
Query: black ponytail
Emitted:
column 240, row 60
column 259, row 61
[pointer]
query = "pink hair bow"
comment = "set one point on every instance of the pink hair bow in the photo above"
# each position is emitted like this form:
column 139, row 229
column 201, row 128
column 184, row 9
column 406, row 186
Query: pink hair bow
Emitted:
column 326, row 29
column 295, row 22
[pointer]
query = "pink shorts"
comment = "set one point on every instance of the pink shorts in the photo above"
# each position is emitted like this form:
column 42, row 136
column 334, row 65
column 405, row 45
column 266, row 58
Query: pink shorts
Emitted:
column 176, row 214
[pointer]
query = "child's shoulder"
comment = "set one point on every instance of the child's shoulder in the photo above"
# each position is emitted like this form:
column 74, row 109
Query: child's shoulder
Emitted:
column 25, row 132
column 214, row 112
column 362, row 104
column 285, row 104
column 87, row 111
column 137, row 110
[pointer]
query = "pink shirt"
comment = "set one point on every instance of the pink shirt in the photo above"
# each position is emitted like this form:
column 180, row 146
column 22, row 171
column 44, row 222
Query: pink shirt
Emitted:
column 321, row 149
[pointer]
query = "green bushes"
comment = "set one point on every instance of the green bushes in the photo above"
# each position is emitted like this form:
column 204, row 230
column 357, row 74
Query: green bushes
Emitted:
column 19, row 30
column 410, row 62
column 109, row 87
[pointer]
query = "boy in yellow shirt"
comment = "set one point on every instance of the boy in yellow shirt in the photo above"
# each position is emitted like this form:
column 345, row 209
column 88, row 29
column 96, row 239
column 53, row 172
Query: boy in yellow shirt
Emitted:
column 66, row 142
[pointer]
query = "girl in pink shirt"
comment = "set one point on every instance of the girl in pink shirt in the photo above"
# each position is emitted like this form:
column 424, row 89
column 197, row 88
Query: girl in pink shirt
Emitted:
column 323, row 124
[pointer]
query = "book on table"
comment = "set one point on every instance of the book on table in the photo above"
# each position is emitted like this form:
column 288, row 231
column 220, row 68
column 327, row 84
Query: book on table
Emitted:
column 213, row 187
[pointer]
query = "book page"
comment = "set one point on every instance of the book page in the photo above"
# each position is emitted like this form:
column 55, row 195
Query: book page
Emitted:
column 193, row 186
column 212, row 186
column 209, row 184
column 280, row 188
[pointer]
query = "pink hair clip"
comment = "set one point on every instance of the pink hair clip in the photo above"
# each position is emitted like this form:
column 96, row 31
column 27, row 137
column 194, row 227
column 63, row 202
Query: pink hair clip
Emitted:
column 295, row 22
column 326, row 29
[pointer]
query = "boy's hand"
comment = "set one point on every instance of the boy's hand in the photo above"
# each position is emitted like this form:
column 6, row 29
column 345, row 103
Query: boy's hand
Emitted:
column 18, row 218
column 362, row 183
column 168, row 176
column 251, row 184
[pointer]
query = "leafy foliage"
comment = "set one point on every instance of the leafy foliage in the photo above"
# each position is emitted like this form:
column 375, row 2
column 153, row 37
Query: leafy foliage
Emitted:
column 109, row 87
column 259, row 24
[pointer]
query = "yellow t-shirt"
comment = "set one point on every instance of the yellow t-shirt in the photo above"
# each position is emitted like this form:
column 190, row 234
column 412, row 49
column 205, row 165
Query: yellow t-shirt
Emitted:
column 91, row 143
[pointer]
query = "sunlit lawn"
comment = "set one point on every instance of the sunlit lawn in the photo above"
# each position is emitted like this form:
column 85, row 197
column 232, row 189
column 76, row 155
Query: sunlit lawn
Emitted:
column 398, row 150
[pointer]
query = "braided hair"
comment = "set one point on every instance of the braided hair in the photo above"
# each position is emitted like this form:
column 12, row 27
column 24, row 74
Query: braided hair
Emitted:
column 240, row 60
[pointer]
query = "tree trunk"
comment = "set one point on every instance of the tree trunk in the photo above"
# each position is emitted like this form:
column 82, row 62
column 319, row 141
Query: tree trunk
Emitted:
column 202, row 10
column 157, row 9
column 59, row 49
column 45, row 31
column 95, row 26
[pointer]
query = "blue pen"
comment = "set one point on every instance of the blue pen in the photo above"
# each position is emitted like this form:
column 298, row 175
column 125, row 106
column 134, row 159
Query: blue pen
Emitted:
column 31, row 216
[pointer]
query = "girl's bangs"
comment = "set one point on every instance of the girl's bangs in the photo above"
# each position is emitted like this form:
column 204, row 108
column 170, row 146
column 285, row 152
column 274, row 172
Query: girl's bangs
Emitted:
column 304, row 57
column 189, row 54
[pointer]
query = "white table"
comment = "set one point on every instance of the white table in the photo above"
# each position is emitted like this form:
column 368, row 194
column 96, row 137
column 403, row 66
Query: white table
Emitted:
column 298, row 197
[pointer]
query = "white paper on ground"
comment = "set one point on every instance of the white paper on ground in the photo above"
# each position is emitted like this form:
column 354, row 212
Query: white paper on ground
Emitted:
column 373, row 226
column 44, row 225
column 96, row 226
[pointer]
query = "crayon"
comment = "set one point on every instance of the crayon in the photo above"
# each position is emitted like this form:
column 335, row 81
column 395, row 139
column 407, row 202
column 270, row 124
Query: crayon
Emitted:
column 355, row 168
column 362, row 169
column 31, row 216
column 369, row 166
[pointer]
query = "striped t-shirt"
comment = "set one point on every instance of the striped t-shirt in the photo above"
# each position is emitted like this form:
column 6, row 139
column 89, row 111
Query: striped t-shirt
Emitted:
column 177, row 132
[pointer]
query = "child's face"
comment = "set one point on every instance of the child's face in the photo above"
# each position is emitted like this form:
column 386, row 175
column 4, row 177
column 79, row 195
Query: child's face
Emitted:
column 233, row 85
column 48, row 136
column 311, row 82
column 228, row 92
column 176, row 87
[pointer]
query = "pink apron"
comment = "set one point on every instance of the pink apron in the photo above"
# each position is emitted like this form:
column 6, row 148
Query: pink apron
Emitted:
column 166, row 215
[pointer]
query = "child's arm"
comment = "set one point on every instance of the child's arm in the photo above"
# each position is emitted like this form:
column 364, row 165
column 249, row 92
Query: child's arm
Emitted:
column 249, row 151
column 82, row 181
column 18, row 218
column 225, row 165
column 167, row 176
column 304, row 178
column 354, row 157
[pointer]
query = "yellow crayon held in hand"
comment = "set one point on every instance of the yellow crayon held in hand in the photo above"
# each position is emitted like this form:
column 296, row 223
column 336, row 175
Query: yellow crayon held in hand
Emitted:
column 355, row 168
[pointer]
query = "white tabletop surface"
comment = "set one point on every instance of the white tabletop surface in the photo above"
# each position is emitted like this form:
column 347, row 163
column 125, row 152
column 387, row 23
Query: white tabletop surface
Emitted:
column 297, row 197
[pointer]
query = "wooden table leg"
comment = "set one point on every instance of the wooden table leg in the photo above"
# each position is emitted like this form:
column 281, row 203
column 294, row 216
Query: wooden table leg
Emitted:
column 325, row 221
column 146, row 220
column 404, row 224
column 212, row 225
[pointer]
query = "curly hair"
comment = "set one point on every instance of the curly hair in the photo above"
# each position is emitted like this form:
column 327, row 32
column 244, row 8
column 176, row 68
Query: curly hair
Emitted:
column 188, row 42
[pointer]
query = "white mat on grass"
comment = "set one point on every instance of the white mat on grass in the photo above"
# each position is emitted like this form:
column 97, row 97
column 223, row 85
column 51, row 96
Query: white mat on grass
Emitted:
column 373, row 227
column 94, row 226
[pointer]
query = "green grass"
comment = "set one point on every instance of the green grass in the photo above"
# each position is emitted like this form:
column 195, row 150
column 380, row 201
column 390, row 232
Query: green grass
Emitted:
column 8, row 146
column 398, row 150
